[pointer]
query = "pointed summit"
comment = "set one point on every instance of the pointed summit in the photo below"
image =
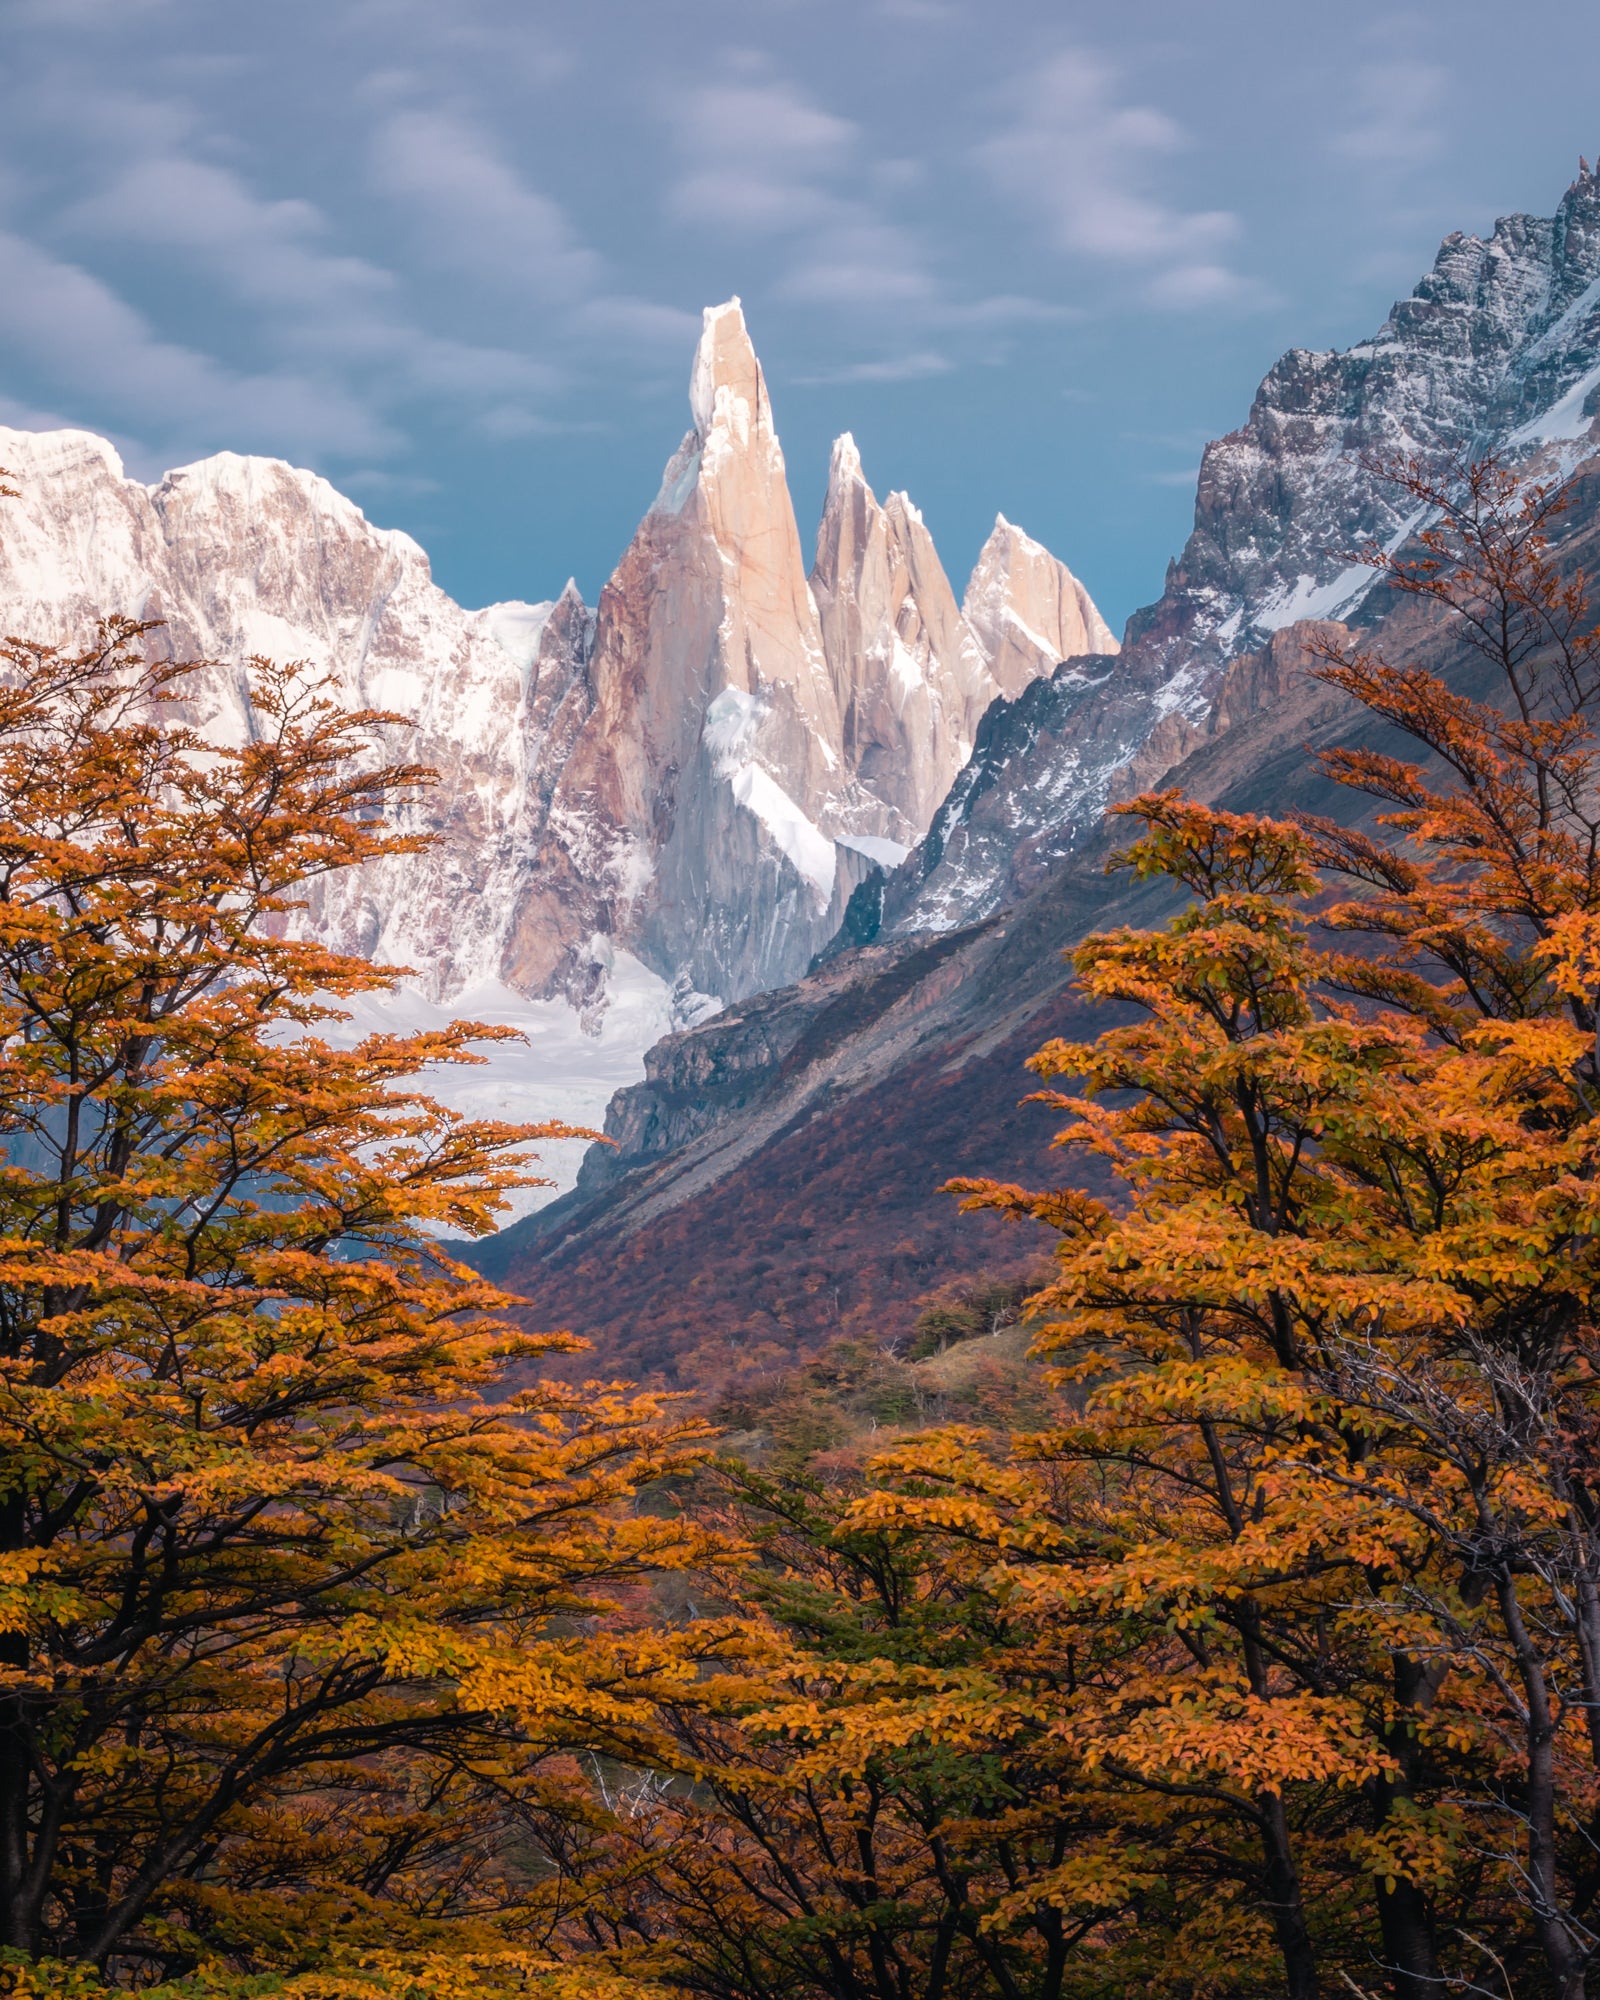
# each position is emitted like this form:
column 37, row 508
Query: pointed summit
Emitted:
column 844, row 465
column 1028, row 611
column 694, row 818
column 907, row 674
column 726, row 387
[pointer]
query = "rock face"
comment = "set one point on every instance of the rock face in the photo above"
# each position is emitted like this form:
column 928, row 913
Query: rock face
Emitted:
column 914, row 675
column 699, row 772
column 762, row 741
column 1027, row 611
column 1498, row 347
column 696, row 814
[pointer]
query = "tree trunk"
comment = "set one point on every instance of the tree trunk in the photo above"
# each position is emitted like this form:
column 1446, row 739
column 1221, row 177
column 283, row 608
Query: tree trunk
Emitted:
column 1286, row 1903
column 1405, row 1921
column 1565, row 1960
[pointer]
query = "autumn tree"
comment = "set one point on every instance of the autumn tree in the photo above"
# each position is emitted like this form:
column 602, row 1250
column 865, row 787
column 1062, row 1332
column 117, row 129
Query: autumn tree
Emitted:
column 301, row 1603
column 1335, row 1468
column 883, row 1807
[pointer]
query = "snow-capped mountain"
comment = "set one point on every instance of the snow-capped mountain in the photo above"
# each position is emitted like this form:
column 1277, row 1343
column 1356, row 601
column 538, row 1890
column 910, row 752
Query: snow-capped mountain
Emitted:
column 650, row 807
column 238, row 556
column 1498, row 346
column 761, row 739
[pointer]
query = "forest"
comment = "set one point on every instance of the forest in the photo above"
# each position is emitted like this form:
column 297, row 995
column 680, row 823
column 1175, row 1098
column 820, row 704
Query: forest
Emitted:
column 1210, row 1609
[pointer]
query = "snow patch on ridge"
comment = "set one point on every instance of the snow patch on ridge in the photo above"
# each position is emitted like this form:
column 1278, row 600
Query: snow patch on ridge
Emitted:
column 1306, row 598
column 729, row 735
column 887, row 853
column 795, row 836
column 1566, row 421
column 517, row 628
column 703, row 383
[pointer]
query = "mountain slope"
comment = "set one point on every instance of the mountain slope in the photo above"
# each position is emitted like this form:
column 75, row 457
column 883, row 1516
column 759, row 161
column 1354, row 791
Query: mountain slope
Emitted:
column 643, row 809
column 695, row 775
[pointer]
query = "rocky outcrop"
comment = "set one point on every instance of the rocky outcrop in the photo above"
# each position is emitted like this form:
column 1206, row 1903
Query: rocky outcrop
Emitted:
column 909, row 676
column 238, row 556
column 1036, row 786
column 761, row 741
column 1498, row 346
column 686, row 818
column 817, row 1146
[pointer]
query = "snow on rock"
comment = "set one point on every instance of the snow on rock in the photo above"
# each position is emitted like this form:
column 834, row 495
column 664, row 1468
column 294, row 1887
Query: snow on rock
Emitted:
column 237, row 556
column 752, row 727
column 1499, row 345
column 910, row 678
column 698, row 772
column 560, row 1071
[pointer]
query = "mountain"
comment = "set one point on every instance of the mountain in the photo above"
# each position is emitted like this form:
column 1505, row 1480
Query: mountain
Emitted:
column 697, row 772
column 243, row 555
column 760, row 738
column 805, row 1133
column 1498, row 346
column 645, row 809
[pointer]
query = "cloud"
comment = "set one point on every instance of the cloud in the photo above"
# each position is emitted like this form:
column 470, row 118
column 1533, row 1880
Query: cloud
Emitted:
column 266, row 251
column 81, row 335
column 377, row 484
column 1088, row 168
column 469, row 212
column 853, row 260
column 762, row 163
column 639, row 321
column 1398, row 122
column 918, row 367
column 343, row 318
column 757, row 152
column 475, row 214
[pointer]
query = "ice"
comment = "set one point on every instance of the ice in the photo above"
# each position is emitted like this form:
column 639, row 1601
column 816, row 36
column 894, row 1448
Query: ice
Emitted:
column 679, row 480
column 730, row 728
column 1564, row 421
column 887, row 853
column 905, row 667
column 1306, row 598
column 703, row 384
column 793, row 834
column 517, row 628
column 562, row 1071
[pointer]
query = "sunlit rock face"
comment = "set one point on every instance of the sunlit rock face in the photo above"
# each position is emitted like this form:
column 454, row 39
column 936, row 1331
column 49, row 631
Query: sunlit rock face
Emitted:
column 1028, row 612
column 239, row 556
column 910, row 679
column 761, row 739
column 694, row 815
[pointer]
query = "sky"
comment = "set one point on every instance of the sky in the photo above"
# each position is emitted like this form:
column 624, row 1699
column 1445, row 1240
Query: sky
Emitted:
column 1033, row 253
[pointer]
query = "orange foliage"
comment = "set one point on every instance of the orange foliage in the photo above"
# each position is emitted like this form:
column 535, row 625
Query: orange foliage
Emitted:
column 294, row 1613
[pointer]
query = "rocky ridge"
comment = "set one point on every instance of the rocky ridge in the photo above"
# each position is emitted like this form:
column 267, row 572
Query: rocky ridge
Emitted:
column 1497, row 347
column 820, row 1130
column 240, row 556
column 763, row 739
